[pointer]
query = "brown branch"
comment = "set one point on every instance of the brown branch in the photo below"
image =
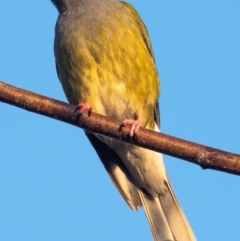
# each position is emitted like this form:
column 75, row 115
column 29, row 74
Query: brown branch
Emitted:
column 204, row 156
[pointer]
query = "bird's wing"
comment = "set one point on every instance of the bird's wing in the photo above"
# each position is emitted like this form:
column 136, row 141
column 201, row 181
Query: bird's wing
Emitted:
column 142, row 28
column 165, row 216
column 117, row 171
column 147, row 41
column 157, row 114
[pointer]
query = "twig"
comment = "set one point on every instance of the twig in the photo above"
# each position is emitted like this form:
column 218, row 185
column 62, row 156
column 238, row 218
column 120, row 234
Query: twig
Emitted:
column 204, row 156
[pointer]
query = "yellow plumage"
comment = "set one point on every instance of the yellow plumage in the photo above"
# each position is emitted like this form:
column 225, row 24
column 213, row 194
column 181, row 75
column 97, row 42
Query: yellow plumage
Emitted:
column 104, row 58
column 107, row 64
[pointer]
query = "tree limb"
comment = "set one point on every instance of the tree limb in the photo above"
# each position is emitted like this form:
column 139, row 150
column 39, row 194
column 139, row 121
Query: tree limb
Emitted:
column 204, row 156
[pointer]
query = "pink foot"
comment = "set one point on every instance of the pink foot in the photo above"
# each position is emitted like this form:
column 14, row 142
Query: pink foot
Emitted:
column 135, row 125
column 82, row 108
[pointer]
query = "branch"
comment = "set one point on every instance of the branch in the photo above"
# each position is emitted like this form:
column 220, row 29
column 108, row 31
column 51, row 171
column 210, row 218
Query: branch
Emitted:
column 204, row 156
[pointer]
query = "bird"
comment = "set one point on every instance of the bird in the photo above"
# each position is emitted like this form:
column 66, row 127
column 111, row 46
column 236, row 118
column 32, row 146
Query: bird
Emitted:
column 105, row 62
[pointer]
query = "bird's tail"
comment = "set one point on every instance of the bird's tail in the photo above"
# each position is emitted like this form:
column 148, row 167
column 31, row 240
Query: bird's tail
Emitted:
column 166, row 218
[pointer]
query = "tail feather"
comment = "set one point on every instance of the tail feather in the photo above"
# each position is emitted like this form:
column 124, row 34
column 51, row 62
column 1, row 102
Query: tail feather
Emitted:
column 156, row 218
column 176, row 218
column 166, row 218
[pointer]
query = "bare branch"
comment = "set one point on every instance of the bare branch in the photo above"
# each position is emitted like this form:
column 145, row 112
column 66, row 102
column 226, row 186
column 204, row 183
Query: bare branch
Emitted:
column 204, row 156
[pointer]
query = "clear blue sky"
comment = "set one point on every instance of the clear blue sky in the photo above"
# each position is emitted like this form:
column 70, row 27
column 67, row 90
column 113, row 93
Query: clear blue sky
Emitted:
column 52, row 185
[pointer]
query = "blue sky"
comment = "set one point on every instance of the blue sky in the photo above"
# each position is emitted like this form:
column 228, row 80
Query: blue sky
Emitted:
column 52, row 185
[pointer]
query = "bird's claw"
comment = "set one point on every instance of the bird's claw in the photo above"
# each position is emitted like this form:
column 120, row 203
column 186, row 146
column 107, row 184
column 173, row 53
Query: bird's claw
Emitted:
column 135, row 125
column 82, row 108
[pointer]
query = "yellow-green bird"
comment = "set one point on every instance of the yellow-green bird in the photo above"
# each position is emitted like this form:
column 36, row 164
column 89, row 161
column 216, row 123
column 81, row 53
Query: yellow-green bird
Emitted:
column 105, row 60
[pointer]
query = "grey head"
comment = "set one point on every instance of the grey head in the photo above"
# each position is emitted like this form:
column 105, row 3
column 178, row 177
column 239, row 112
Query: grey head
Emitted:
column 65, row 5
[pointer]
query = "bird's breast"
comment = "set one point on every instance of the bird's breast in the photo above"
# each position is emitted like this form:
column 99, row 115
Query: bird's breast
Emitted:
column 110, row 69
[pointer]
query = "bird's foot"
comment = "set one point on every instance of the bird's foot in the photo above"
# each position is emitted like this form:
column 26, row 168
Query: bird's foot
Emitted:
column 82, row 108
column 135, row 125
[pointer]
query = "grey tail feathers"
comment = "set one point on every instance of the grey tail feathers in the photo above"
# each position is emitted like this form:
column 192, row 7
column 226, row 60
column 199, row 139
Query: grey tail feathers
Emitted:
column 165, row 217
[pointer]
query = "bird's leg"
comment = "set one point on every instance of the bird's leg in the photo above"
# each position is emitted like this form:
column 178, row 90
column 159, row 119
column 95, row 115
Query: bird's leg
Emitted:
column 135, row 125
column 82, row 108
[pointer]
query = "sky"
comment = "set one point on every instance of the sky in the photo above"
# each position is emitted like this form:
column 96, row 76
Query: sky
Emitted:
column 52, row 184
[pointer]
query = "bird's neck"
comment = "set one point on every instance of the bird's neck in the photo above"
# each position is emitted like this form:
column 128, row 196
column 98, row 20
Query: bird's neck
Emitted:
column 83, row 5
